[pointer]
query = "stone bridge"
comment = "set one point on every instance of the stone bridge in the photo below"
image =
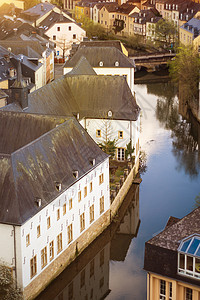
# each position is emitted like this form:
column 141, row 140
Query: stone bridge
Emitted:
column 152, row 61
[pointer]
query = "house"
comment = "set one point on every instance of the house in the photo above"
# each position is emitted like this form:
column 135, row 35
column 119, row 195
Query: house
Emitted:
column 3, row 98
column 54, row 185
column 189, row 33
column 82, row 9
column 7, row 69
column 36, row 54
column 104, row 61
column 172, row 260
column 150, row 27
column 107, row 15
column 122, row 15
column 63, row 31
column 17, row 3
column 160, row 6
column 36, row 14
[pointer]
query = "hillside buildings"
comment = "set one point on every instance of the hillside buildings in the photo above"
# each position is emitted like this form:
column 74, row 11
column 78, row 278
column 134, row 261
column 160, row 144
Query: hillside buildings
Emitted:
column 172, row 260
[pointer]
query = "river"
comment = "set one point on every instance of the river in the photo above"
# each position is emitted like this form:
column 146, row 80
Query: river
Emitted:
column 170, row 183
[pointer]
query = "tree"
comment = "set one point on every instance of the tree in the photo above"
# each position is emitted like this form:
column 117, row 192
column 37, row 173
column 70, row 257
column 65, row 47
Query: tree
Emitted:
column 92, row 30
column 108, row 145
column 129, row 150
column 197, row 201
column 7, row 285
column 184, row 70
column 118, row 25
column 166, row 32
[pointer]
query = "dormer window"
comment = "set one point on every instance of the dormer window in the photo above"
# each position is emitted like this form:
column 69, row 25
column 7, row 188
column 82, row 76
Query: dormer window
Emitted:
column 189, row 257
column 166, row 6
column 58, row 186
column 169, row 6
column 38, row 202
column 116, row 64
column 75, row 174
column 101, row 64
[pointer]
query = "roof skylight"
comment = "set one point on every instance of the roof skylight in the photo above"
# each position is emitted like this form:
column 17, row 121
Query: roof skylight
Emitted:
column 191, row 246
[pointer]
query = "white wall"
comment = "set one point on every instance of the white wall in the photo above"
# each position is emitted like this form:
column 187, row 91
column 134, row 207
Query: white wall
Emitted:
column 39, row 77
column 65, row 34
column 71, row 216
column 131, row 130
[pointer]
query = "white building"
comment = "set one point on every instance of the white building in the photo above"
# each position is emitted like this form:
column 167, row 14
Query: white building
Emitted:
column 104, row 61
column 54, row 184
column 63, row 31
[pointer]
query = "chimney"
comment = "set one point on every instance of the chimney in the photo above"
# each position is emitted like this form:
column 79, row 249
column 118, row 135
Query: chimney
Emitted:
column 42, row 7
column 19, row 89
column 61, row 16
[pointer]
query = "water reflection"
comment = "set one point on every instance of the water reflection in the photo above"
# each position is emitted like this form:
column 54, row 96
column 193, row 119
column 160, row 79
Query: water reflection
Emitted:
column 88, row 276
column 185, row 130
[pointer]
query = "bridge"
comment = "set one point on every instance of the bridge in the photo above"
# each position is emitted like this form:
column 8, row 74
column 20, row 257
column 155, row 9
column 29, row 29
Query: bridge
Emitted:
column 152, row 61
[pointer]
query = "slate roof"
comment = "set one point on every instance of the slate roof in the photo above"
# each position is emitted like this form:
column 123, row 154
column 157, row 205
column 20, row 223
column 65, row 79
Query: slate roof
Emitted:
column 192, row 26
column 31, row 49
column 46, row 151
column 82, row 68
column 95, row 55
column 52, row 19
column 171, row 236
column 7, row 26
column 109, row 43
column 89, row 95
column 39, row 10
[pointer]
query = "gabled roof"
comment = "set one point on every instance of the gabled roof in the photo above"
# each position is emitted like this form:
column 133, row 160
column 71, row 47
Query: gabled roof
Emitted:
column 171, row 236
column 82, row 68
column 47, row 150
column 107, row 43
column 32, row 49
column 108, row 55
column 53, row 19
column 7, row 26
column 39, row 10
column 192, row 25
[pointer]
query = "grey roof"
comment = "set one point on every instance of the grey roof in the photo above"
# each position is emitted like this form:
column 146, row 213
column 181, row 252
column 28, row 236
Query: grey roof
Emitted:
column 192, row 26
column 47, row 150
column 110, row 43
column 82, row 68
column 171, row 236
column 32, row 49
column 52, row 19
column 95, row 55
column 89, row 95
column 7, row 26
column 39, row 9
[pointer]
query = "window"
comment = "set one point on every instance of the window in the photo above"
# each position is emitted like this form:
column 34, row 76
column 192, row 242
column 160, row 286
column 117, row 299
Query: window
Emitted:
column 38, row 231
column 70, row 203
column 27, row 240
column 70, row 291
column 101, row 203
column 188, row 294
column 79, row 196
column 91, row 213
column 90, row 186
column 43, row 257
column 70, row 233
column 74, row 36
column 58, row 28
column 189, row 258
column 98, row 133
column 82, row 281
column 48, row 222
column 85, row 191
column 82, row 222
column 101, row 179
column 54, row 37
column 58, row 214
column 92, row 268
column 33, row 266
column 162, row 289
column 120, row 134
column 59, row 243
column 51, row 250
column 101, row 258
column 70, row 28
column 64, row 209
column 170, row 290
column 120, row 153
